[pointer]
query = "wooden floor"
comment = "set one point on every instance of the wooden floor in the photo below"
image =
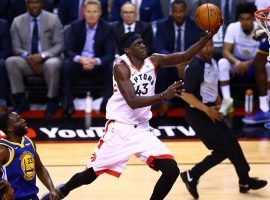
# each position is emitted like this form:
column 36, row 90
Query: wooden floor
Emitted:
column 137, row 181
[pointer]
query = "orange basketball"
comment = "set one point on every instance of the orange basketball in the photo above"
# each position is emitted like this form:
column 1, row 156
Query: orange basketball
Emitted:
column 208, row 16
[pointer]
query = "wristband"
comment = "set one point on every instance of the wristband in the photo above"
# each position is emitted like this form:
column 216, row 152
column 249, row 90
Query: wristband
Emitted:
column 162, row 96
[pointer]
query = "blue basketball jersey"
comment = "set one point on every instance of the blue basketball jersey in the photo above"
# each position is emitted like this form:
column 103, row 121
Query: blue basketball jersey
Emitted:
column 264, row 47
column 20, row 169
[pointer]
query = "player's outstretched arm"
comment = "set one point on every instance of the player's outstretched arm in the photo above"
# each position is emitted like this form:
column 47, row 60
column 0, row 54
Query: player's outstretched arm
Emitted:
column 44, row 177
column 179, row 57
column 122, row 75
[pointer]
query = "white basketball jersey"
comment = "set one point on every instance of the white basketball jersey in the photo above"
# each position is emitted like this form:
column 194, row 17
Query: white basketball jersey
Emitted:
column 143, row 80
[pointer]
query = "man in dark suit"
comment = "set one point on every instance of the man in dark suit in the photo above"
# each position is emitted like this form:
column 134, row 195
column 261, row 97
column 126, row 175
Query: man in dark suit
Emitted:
column 90, row 52
column 149, row 10
column 5, row 50
column 174, row 33
column 71, row 10
column 129, row 23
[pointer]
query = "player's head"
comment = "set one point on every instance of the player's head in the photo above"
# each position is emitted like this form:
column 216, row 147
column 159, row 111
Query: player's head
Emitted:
column 128, row 13
column 208, row 50
column 34, row 7
column 245, row 13
column 12, row 123
column 179, row 11
column 132, row 44
column 6, row 191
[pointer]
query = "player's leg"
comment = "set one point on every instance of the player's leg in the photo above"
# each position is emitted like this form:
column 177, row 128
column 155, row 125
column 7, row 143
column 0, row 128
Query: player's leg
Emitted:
column 259, row 62
column 152, row 151
column 83, row 178
column 170, row 172
column 224, row 67
column 110, row 156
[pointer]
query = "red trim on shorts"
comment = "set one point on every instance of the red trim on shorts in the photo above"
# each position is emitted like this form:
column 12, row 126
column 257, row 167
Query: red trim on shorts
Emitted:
column 150, row 160
column 100, row 142
column 108, row 171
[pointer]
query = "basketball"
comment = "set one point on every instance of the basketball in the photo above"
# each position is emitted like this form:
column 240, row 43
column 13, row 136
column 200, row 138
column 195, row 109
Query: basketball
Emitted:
column 208, row 16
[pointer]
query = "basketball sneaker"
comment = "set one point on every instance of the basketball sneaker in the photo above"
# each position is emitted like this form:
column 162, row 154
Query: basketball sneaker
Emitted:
column 267, row 125
column 226, row 106
column 191, row 184
column 59, row 193
column 252, row 184
column 257, row 117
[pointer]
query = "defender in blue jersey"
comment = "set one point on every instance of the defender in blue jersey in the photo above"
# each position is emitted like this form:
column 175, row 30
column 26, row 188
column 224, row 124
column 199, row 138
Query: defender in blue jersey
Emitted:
column 259, row 62
column 19, row 161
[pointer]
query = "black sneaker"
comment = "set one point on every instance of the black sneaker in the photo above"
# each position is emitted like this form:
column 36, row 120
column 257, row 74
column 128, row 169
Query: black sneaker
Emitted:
column 252, row 184
column 191, row 184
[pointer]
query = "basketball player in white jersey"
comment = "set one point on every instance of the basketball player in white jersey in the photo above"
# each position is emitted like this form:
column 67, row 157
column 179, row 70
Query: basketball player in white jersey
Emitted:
column 127, row 131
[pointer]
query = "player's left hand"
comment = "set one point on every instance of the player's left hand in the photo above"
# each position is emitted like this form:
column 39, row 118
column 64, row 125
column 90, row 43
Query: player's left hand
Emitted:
column 174, row 90
column 54, row 195
column 212, row 32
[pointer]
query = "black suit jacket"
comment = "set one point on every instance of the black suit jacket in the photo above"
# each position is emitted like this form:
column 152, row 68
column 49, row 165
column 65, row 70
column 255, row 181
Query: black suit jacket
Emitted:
column 142, row 28
column 104, row 43
column 165, row 36
column 5, row 41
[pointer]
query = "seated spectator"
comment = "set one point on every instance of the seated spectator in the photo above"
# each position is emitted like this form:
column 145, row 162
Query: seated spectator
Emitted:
column 228, row 10
column 6, row 191
column 37, row 51
column 239, row 49
column 129, row 23
column 5, row 50
column 166, row 8
column 174, row 34
column 71, row 10
column 90, row 52
column 18, row 7
column 149, row 10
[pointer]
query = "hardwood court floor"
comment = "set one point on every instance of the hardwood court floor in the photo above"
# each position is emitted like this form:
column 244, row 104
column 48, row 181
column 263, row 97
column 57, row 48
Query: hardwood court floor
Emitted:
column 137, row 182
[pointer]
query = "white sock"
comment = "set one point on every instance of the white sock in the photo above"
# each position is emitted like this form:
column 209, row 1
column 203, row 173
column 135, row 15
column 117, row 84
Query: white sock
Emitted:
column 264, row 103
column 226, row 92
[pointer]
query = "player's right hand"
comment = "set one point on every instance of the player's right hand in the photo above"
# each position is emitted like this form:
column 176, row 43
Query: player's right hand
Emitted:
column 174, row 90
column 213, row 113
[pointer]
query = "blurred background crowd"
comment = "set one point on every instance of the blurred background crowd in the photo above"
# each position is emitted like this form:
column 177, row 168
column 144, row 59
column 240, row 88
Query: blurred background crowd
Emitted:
column 67, row 47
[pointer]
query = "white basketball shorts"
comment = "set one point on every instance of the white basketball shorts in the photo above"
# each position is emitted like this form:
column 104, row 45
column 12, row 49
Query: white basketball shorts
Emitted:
column 120, row 142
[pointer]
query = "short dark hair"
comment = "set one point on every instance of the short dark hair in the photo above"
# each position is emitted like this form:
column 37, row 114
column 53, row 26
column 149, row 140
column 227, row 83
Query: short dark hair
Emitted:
column 127, row 39
column 179, row 2
column 246, row 7
column 3, row 187
column 4, row 118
